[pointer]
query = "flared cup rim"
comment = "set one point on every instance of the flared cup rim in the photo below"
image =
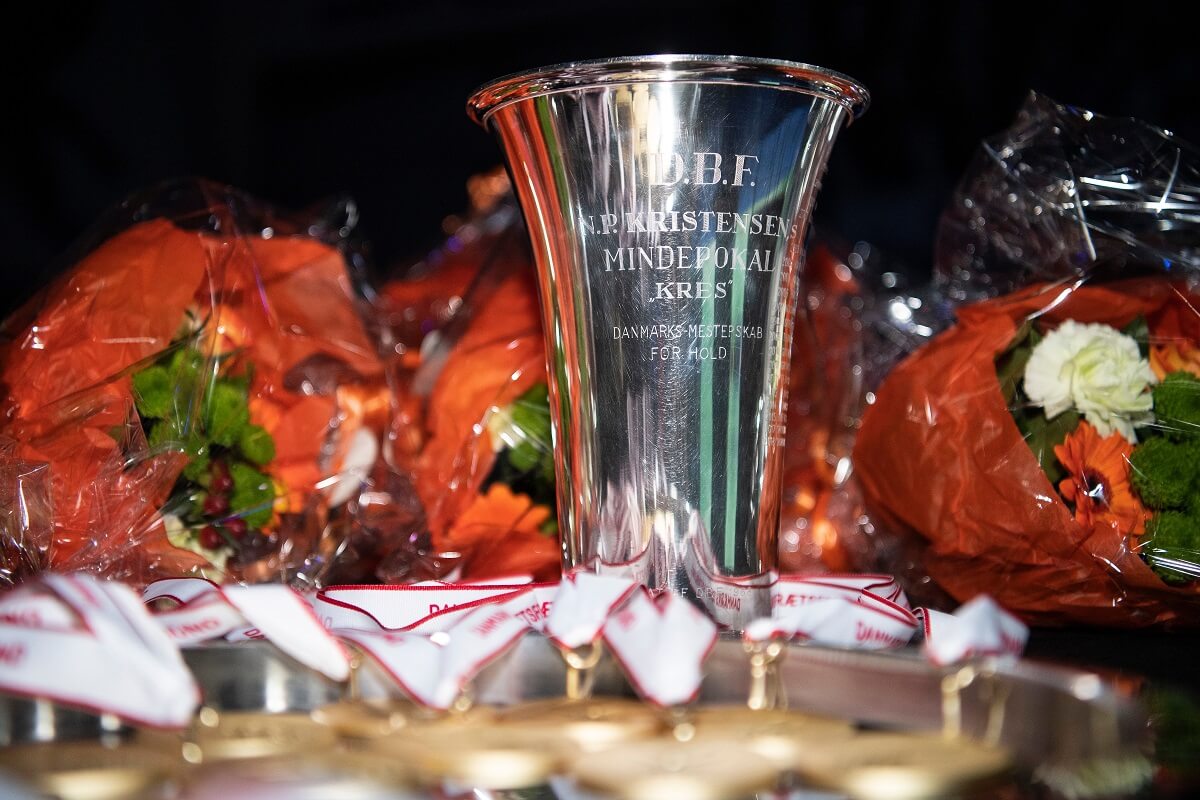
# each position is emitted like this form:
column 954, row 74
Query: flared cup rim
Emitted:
column 739, row 70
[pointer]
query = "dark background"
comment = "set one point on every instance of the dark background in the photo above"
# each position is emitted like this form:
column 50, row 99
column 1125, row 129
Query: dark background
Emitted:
column 299, row 101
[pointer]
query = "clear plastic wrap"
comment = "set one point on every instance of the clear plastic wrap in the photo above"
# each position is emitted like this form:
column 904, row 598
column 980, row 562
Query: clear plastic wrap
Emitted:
column 472, row 378
column 1043, row 449
column 24, row 516
column 202, row 396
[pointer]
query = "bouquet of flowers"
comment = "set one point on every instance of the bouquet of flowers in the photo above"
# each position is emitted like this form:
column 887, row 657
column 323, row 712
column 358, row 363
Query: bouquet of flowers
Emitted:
column 1043, row 448
column 204, row 394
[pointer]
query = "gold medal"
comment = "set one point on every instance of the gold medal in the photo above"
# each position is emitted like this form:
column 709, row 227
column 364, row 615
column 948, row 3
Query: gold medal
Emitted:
column 779, row 736
column 585, row 725
column 484, row 756
column 234, row 735
column 90, row 770
column 712, row 768
column 898, row 766
column 345, row 774
column 364, row 719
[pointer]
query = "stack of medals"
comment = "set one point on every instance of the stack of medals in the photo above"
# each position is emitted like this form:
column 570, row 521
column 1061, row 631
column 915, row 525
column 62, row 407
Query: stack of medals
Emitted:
column 579, row 746
column 575, row 746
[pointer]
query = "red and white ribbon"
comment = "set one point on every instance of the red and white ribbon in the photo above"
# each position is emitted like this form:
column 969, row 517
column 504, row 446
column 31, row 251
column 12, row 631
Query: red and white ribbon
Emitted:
column 434, row 669
column 432, row 657
column 92, row 644
column 791, row 591
column 978, row 628
column 581, row 606
column 866, row 622
column 662, row 644
column 425, row 606
column 267, row 611
column 872, row 611
column 177, row 590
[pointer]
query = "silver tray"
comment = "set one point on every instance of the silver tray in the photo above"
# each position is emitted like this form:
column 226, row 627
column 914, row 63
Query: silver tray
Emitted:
column 26, row 720
column 1057, row 722
column 1041, row 713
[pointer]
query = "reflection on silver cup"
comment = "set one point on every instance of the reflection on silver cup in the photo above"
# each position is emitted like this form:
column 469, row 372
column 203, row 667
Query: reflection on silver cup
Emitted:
column 667, row 199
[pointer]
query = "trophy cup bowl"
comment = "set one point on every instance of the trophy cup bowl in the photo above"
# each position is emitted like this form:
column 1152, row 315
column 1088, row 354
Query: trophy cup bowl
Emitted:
column 667, row 200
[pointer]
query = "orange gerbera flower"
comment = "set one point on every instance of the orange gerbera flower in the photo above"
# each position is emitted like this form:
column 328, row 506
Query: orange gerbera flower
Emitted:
column 1174, row 356
column 1174, row 332
column 500, row 533
column 1098, row 481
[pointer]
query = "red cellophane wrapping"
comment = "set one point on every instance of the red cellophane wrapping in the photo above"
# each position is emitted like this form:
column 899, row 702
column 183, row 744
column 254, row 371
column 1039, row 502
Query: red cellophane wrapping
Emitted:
column 202, row 393
column 474, row 382
column 1043, row 448
column 940, row 453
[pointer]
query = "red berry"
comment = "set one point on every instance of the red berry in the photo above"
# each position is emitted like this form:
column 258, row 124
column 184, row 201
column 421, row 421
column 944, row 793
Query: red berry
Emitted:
column 210, row 538
column 236, row 527
column 221, row 483
column 216, row 505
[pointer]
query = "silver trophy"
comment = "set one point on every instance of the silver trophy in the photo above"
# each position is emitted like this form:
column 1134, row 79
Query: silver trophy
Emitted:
column 667, row 199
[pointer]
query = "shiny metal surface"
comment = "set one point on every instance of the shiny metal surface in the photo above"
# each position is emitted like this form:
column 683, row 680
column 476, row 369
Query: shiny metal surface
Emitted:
column 1048, row 717
column 738, row 70
column 667, row 199
column 1042, row 713
column 1055, row 721
column 255, row 676
column 29, row 721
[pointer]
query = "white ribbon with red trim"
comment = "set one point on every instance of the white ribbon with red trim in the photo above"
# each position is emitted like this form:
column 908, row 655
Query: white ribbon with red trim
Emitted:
column 583, row 603
column 237, row 613
column 433, row 656
column 92, row 644
column 871, row 611
column 978, row 628
column 428, row 607
column 867, row 622
column 662, row 644
column 434, row 669
column 791, row 591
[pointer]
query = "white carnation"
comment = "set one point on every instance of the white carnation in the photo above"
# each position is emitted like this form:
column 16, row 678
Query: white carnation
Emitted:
column 1095, row 369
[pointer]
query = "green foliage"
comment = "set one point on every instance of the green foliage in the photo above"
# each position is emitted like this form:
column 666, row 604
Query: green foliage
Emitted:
column 256, row 445
column 253, row 495
column 1164, row 472
column 1172, row 546
column 153, row 392
column 226, row 413
column 167, row 432
column 527, row 465
column 198, row 464
column 1010, row 365
column 1043, row 435
column 530, row 416
column 1177, row 406
column 184, row 366
column 220, row 437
